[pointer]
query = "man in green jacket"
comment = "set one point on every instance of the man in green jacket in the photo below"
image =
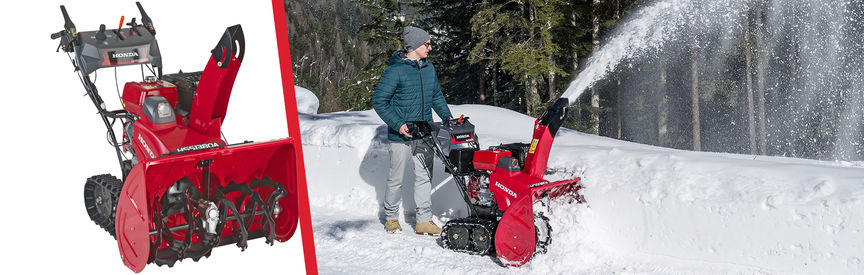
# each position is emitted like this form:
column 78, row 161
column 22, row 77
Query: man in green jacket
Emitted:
column 409, row 91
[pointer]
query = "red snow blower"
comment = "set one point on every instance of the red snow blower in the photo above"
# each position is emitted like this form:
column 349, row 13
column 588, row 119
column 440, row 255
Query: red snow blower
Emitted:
column 185, row 190
column 503, row 187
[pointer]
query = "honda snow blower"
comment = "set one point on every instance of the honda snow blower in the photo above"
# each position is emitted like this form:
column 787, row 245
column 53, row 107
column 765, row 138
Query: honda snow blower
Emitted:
column 503, row 187
column 185, row 190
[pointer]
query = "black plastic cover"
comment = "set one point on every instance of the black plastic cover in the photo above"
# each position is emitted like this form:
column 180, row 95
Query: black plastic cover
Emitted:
column 517, row 150
column 462, row 160
column 118, row 48
column 508, row 163
column 187, row 84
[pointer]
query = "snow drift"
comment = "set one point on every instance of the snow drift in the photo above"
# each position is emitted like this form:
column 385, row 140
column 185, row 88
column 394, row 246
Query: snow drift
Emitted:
column 307, row 102
column 649, row 209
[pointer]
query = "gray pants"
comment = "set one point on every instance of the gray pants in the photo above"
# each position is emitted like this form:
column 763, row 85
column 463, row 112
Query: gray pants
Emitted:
column 400, row 153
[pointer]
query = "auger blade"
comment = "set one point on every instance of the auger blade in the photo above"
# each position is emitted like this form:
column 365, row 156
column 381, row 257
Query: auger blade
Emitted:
column 263, row 177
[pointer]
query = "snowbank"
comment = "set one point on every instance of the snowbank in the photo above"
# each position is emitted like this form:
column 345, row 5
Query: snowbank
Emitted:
column 307, row 102
column 649, row 209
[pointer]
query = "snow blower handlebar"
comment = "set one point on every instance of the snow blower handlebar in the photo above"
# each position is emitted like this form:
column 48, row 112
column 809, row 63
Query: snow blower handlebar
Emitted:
column 68, row 33
column 93, row 50
column 422, row 128
column 428, row 132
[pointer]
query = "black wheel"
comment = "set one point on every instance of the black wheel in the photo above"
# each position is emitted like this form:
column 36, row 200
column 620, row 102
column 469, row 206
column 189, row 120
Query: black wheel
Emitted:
column 457, row 237
column 481, row 239
column 100, row 199
column 474, row 236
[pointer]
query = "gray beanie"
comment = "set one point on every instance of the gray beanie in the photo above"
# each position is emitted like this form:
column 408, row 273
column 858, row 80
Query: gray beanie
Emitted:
column 414, row 37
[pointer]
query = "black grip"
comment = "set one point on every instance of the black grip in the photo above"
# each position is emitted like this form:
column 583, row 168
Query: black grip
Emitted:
column 67, row 22
column 56, row 35
column 419, row 128
column 145, row 20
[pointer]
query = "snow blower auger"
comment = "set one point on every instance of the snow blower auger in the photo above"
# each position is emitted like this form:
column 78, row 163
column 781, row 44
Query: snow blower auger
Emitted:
column 503, row 187
column 185, row 190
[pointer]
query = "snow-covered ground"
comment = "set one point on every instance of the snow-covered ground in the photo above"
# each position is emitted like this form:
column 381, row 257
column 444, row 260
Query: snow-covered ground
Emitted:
column 650, row 210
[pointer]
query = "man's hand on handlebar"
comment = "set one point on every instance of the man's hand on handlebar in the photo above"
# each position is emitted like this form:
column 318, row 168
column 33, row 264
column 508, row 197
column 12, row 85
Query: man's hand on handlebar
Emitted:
column 404, row 131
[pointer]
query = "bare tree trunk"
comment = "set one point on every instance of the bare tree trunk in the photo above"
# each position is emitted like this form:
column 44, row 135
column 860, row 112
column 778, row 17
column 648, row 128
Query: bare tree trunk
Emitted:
column 577, row 106
column 481, row 89
column 751, row 114
column 532, row 98
column 694, row 92
column 553, row 94
column 495, row 85
column 594, row 117
column 575, row 45
column 662, row 110
column 618, row 83
column 618, row 106
column 760, row 79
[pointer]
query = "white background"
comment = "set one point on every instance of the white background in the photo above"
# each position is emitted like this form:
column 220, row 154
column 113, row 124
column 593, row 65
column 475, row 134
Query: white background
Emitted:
column 52, row 139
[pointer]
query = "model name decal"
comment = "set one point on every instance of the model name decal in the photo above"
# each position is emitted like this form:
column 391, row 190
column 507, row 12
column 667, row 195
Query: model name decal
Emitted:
column 197, row 147
column 124, row 55
column 147, row 148
column 463, row 136
column 506, row 190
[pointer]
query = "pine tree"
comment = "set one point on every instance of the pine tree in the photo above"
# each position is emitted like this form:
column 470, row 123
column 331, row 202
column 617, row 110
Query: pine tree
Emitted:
column 384, row 32
column 325, row 51
column 518, row 37
column 449, row 23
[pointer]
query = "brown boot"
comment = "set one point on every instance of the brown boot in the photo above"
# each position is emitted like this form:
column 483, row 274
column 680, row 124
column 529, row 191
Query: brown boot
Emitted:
column 392, row 226
column 428, row 228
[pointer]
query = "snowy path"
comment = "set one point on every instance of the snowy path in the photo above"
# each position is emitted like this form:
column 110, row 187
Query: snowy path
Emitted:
column 650, row 210
column 356, row 244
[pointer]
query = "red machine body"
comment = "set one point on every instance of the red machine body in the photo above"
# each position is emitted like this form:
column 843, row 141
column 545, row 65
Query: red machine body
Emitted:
column 505, row 183
column 488, row 159
column 134, row 94
column 189, row 150
column 516, row 191
column 154, row 140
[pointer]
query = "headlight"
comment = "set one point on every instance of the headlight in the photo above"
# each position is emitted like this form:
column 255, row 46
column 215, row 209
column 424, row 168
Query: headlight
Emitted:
column 164, row 110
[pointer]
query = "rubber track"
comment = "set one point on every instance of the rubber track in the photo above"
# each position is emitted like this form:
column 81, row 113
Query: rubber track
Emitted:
column 487, row 224
column 93, row 184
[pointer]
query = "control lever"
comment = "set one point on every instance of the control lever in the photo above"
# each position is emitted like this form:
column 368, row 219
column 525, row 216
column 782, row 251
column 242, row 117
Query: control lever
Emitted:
column 101, row 34
column 132, row 25
column 148, row 24
column 117, row 31
column 455, row 122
